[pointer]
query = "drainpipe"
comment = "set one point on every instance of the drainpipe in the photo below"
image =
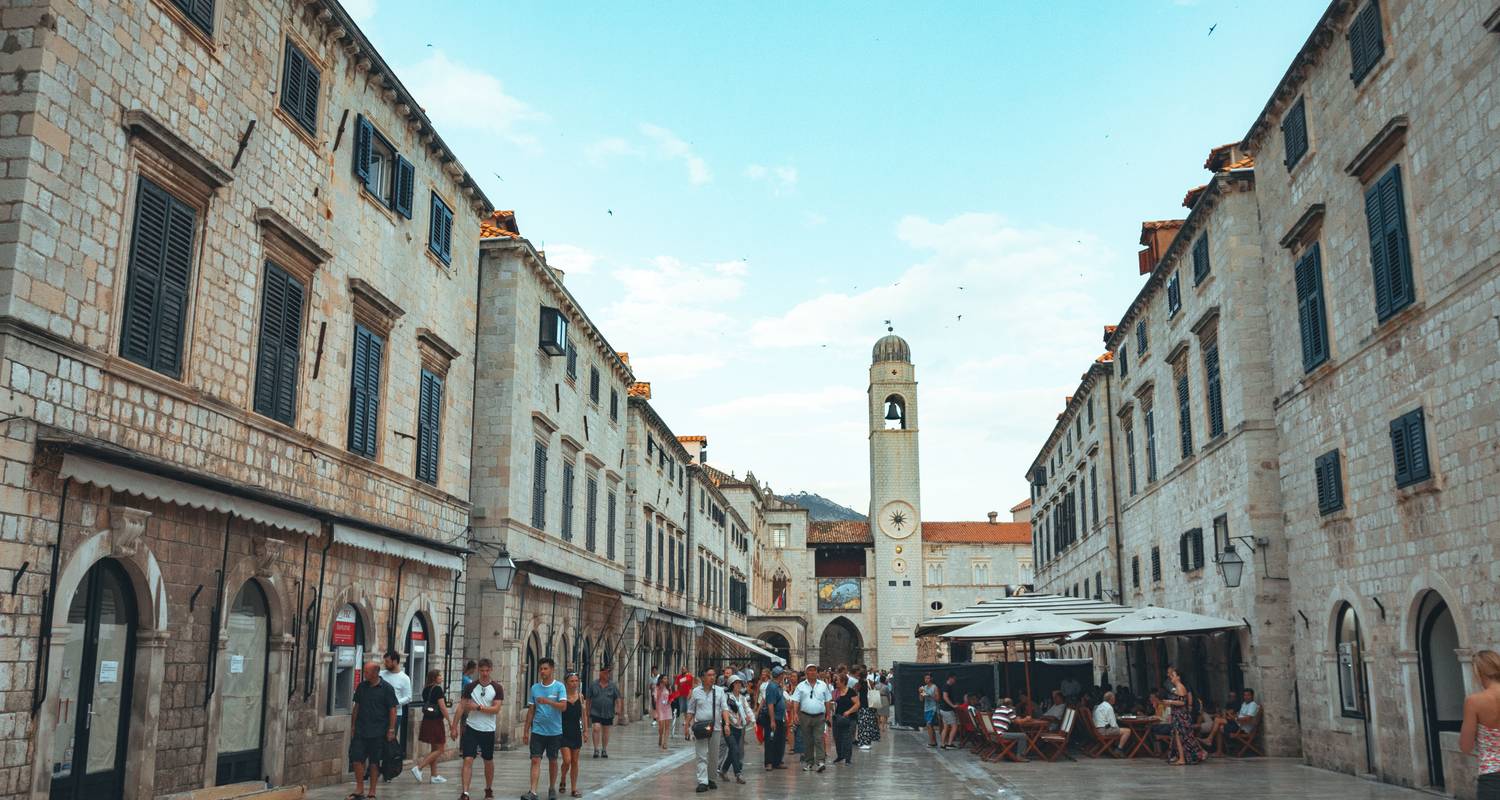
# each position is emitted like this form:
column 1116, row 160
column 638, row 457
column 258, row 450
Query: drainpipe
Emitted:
column 297, row 620
column 452, row 625
column 43, row 654
column 312, row 645
column 212, row 661
column 390, row 627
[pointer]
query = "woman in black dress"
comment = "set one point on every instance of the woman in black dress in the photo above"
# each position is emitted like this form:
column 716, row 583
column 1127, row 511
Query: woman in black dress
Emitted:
column 867, row 724
column 574, row 734
column 845, row 707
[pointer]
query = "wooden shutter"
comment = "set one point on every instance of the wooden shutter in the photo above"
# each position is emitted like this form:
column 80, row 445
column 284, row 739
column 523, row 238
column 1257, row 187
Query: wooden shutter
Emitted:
column 650, row 535
column 1311, row 318
column 1124, row 362
column 364, row 141
column 539, row 486
column 279, row 346
column 161, row 260
column 293, row 78
column 1135, row 572
column 1330, row 484
column 567, row 502
column 429, row 427
column 1409, row 448
column 406, row 184
column 591, row 515
column 1140, row 336
column 1366, row 42
column 1155, row 564
column 1214, row 390
column 1174, row 295
column 1184, row 556
column 1197, row 545
column 609, row 529
column 1200, row 259
column 1390, row 255
column 364, row 395
column 1294, row 133
column 200, row 12
column 1184, row 411
column 440, row 230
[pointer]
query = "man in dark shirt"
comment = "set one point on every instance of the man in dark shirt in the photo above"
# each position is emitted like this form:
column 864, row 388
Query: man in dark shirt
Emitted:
column 372, row 724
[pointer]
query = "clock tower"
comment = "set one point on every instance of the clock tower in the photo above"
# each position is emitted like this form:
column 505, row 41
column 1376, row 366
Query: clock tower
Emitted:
column 895, row 501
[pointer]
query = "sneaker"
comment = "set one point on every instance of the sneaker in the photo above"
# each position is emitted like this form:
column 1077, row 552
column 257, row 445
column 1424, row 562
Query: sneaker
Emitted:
column 822, row 766
column 739, row 780
column 604, row 754
column 529, row 796
column 437, row 779
column 807, row 768
column 702, row 787
column 596, row 754
column 417, row 773
column 551, row 793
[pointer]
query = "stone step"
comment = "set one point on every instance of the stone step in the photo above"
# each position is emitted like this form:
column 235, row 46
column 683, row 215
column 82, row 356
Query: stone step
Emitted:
column 250, row 790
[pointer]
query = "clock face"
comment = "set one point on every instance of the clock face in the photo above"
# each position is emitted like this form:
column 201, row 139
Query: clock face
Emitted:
column 898, row 519
column 899, row 566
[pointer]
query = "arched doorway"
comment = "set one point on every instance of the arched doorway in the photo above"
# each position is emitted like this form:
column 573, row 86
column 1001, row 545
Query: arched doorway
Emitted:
column 533, row 661
column 242, row 701
column 348, row 643
column 779, row 645
column 1442, row 679
column 840, row 644
column 88, row 759
column 1354, row 700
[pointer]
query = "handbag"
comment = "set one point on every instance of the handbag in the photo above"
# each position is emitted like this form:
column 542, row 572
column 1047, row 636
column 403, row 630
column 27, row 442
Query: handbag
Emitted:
column 705, row 728
column 390, row 762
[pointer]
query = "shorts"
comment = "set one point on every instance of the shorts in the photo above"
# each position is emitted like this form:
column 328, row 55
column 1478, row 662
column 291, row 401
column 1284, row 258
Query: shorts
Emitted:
column 949, row 717
column 1488, row 786
column 477, row 743
column 930, row 716
column 571, row 741
column 606, row 722
column 433, row 732
column 366, row 750
column 541, row 743
column 1109, row 733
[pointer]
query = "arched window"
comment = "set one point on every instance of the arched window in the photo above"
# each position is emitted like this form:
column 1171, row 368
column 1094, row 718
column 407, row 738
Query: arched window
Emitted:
column 348, row 644
column 1350, row 648
column 778, row 591
column 895, row 413
column 533, row 657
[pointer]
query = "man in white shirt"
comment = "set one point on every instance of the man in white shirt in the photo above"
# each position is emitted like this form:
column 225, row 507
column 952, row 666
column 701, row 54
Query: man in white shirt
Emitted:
column 1108, row 726
column 810, row 700
column 482, row 703
column 706, row 705
column 401, row 682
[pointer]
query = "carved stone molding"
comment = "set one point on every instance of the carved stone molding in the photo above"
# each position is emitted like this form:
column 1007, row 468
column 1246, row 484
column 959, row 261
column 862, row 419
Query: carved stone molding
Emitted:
column 127, row 526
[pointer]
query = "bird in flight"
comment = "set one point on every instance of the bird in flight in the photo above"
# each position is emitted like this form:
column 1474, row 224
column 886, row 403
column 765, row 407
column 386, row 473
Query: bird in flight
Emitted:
column 1211, row 28
column 611, row 211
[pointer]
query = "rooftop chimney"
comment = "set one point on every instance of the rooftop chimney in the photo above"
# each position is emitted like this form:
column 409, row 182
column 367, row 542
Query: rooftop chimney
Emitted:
column 994, row 517
column 1155, row 236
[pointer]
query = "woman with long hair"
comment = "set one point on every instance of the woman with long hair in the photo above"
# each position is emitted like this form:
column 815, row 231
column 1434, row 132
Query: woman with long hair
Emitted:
column 661, row 708
column 434, row 730
column 1185, row 747
column 866, row 726
column 1480, row 735
column 575, row 734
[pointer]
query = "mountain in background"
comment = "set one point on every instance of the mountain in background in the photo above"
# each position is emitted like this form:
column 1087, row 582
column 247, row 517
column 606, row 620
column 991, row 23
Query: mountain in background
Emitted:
column 821, row 509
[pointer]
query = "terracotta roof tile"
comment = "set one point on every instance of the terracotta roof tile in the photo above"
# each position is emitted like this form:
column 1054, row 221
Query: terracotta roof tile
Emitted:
column 1107, row 358
column 1021, row 506
column 1191, row 198
column 686, row 439
column 977, row 532
column 640, row 389
column 500, row 224
column 839, row 532
column 624, row 356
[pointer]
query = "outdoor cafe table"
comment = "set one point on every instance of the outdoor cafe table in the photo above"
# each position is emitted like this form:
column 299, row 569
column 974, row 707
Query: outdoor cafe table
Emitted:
column 1140, row 736
column 1033, row 728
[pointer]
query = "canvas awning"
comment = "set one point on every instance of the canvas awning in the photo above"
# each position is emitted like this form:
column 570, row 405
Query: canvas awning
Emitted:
column 745, row 643
column 1079, row 608
column 1020, row 625
column 167, row 490
column 556, row 587
column 1153, row 621
column 399, row 548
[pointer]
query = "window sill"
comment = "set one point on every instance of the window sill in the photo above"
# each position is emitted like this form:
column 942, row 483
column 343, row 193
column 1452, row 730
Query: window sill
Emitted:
column 1395, row 320
column 1335, row 517
column 445, row 268
column 296, row 127
column 190, row 28
column 1208, row 279
column 1431, row 485
column 1300, row 167
column 379, row 205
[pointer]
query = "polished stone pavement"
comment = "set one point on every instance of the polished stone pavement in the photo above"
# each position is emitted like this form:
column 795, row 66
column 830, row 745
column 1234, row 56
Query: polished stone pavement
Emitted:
column 902, row 766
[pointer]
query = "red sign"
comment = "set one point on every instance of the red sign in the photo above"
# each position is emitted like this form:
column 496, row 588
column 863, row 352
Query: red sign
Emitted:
column 343, row 634
column 417, row 635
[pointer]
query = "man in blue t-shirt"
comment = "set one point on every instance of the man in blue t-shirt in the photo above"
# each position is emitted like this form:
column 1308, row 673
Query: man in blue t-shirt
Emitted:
column 544, row 726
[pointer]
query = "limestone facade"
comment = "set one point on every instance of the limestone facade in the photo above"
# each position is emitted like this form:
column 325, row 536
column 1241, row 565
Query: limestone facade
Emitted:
column 186, row 263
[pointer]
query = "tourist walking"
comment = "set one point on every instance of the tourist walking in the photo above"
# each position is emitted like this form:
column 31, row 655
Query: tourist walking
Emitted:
column 740, row 719
column 866, row 724
column 845, row 707
column 574, row 734
column 543, row 728
column 1185, row 748
column 703, row 724
column 1480, row 734
column 605, row 702
column 810, row 700
column 434, row 729
column 661, row 709
column 373, row 723
column 887, row 700
column 928, row 692
column 773, row 719
column 480, row 708
column 399, row 681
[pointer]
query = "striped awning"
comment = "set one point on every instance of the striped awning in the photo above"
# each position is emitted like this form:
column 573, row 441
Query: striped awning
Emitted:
column 375, row 542
column 557, row 587
column 1079, row 608
column 744, row 643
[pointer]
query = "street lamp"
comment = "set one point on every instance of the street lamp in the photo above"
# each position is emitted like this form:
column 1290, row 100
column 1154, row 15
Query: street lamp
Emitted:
column 503, row 570
column 1232, row 565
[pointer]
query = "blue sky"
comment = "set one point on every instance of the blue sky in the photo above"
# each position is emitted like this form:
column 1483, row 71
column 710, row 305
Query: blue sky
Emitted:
column 785, row 177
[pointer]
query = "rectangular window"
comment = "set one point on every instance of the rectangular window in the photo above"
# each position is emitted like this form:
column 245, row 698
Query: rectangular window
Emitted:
column 1311, row 315
column 1201, row 266
column 1366, row 42
column 1130, row 457
column 1083, row 512
column 572, row 359
column 614, row 405
column 539, row 487
column 567, row 501
column 1135, row 572
column 1124, row 360
column 1213, row 388
column 553, row 338
column 1091, row 411
column 199, row 12
column 1221, row 535
column 1190, row 545
column 649, row 536
column 1094, row 492
column 1329, row 478
column 1174, row 295
column 1390, row 253
column 594, row 384
column 935, row 573
column 429, row 427
column 1150, row 445
column 609, row 529
column 280, row 343
column 156, row 289
column 300, row 83
column 591, row 514
column 1099, row 585
column 779, row 536
column 386, row 175
column 1409, row 448
column 1140, row 338
column 1184, row 408
column 364, row 393
column 1294, row 133
column 1156, row 565
column 440, row 230
column 661, row 555
column 672, row 567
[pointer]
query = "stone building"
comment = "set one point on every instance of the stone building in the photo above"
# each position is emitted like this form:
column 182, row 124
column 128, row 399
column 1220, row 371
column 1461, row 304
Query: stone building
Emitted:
column 1378, row 188
column 779, row 533
column 235, row 380
column 964, row 563
column 549, row 478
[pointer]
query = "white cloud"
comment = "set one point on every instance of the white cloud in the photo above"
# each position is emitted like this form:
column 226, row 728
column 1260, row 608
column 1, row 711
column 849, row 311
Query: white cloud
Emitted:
column 571, row 259
column 361, row 10
column 781, row 178
column 609, row 147
column 461, row 97
column 670, row 146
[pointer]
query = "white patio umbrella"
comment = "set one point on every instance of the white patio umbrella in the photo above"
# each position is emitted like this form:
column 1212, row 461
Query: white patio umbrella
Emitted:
column 1153, row 621
column 1023, row 624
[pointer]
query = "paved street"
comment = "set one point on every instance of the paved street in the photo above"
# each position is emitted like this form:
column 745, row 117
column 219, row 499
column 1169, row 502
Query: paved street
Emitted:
column 903, row 766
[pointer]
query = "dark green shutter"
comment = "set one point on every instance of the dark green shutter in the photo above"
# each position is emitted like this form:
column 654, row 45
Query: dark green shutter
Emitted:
column 1215, row 390
column 406, row 184
column 293, row 77
column 1390, row 254
column 200, row 12
column 1409, row 448
column 1327, row 473
column 440, row 230
column 1200, row 259
column 280, row 344
column 364, row 394
column 567, row 502
column 1366, row 42
column 1197, row 543
column 1184, row 416
column 429, row 427
column 161, row 260
column 1311, row 317
column 609, row 530
column 591, row 514
column 364, row 141
column 1294, row 133
column 539, row 486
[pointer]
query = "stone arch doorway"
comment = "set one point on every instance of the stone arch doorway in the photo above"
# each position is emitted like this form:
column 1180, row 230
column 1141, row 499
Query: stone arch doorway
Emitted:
column 779, row 645
column 242, row 697
column 1442, row 679
column 840, row 643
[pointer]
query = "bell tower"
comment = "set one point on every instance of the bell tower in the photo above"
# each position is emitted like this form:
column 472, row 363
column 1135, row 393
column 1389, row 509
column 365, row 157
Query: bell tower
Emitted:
column 895, row 501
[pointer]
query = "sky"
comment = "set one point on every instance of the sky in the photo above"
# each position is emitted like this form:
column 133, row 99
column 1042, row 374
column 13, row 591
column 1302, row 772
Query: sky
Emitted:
column 742, row 194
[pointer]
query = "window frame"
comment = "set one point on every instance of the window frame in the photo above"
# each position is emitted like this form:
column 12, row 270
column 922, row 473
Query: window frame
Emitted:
column 1409, row 439
column 1368, row 21
column 440, row 229
column 1328, row 482
column 296, row 107
column 1352, row 671
column 280, row 338
column 1201, row 266
column 1295, row 122
column 369, row 446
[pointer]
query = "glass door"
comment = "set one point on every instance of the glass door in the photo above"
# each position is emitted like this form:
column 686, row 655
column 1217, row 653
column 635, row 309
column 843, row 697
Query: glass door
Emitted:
column 242, row 698
column 88, row 759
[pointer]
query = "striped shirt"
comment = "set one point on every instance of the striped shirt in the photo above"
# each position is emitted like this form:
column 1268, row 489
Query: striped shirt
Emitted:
column 1001, row 718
